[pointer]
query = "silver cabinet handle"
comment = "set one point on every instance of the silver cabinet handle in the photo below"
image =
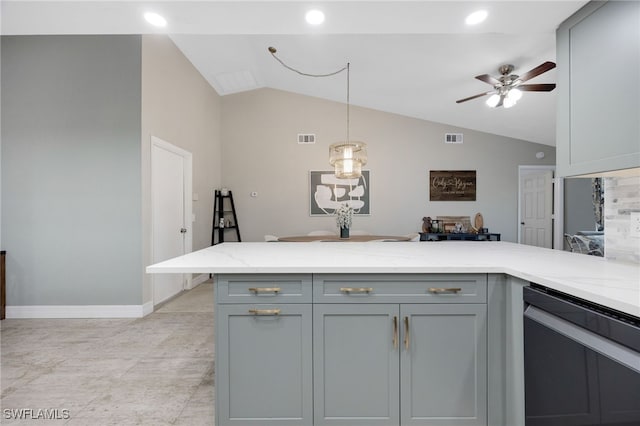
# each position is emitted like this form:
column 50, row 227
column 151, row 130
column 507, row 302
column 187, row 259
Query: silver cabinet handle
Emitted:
column 445, row 290
column 406, row 333
column 264, row 311
column 258, row 290
column 395, row 332
column 349, row 290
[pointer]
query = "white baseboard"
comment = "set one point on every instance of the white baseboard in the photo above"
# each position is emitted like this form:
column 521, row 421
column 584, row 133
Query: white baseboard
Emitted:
column 79, row 311
column 147, row 308
column 196, row 281
column 90, row 311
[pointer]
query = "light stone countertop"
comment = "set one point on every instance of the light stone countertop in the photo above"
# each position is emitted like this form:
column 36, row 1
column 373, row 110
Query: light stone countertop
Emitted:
column 609, row 283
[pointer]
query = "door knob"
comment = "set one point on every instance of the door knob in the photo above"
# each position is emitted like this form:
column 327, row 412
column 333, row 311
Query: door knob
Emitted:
column 183, row 230
column 521, row 223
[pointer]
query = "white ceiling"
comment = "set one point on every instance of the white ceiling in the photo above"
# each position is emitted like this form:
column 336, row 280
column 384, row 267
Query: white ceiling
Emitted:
column 414, row 58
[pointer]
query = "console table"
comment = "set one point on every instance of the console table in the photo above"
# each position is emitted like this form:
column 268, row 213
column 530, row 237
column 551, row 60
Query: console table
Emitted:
column 430, row 236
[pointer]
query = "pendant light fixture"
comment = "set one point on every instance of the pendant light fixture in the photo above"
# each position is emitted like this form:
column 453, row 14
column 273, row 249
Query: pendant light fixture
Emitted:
column 347, row 157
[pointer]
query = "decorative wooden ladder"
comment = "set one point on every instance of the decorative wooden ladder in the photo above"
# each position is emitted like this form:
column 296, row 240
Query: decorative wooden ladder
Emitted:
column 224, row 217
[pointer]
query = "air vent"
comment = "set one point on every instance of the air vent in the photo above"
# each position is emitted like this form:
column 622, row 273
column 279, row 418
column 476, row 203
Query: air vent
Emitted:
column 235, row 81
column 453, row 138
column 306, row 138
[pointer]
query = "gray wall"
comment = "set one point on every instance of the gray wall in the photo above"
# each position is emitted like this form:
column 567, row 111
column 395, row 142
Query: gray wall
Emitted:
column 71, row 185
column 260, row 153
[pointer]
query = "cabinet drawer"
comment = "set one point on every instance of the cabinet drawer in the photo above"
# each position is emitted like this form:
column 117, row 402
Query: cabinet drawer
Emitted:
column 400, row 288
column 268, row 288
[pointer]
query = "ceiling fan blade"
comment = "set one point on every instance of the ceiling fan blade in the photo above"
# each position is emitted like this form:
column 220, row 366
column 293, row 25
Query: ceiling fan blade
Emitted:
column 542, row 68
column 473, row 97
column 488, row 79
column 537, row 87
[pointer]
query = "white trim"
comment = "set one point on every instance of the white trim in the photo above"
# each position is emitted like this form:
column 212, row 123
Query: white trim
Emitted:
column 77, row 311
column 558, row 204
column 198, row 280
column 147, row 308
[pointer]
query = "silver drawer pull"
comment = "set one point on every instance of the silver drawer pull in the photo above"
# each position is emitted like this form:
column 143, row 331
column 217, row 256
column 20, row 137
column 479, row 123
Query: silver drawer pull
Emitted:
column 445, row 290
column 395, row 332
column 264, row 311
column 258, row 290
column 349, row 290
column 406, row 333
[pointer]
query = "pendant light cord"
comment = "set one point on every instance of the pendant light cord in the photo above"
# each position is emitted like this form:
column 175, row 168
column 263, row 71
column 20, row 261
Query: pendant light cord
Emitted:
column 348, row 104
column 273, row 51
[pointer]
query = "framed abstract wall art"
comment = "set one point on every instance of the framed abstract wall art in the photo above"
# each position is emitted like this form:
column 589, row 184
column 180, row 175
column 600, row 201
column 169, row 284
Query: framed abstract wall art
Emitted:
column 327, row 193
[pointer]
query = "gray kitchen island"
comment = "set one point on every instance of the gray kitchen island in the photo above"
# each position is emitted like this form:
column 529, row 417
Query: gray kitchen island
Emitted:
column 384, row 333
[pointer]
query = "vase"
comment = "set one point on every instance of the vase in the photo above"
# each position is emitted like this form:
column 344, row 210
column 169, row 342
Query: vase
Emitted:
column 344, row 232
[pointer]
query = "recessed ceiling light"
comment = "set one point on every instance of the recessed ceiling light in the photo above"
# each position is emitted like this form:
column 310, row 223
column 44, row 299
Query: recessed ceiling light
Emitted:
column 314, row 17
column 476, row 17
column 155, row 19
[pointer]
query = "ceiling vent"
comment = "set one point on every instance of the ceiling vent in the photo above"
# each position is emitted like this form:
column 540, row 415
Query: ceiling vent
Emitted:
column 235, row 81
column 453, row 138
column 306, row 138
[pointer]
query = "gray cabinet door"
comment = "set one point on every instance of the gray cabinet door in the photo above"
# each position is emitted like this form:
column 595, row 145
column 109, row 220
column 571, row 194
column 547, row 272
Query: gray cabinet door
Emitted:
column 598, row 127
column 443, row 365
column 356, row 370
column 263, row 365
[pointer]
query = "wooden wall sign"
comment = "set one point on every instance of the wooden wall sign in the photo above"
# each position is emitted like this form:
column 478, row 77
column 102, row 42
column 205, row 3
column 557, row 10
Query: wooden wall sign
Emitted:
column 452, row 185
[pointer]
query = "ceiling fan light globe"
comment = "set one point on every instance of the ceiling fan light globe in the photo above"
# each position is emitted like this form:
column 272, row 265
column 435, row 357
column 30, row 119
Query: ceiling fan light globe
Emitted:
column 493, row 100
column 514, row 95
column 508, row 102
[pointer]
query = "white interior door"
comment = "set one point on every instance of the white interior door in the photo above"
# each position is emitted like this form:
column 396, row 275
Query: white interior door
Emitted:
column 170, row 178
column 536, row 208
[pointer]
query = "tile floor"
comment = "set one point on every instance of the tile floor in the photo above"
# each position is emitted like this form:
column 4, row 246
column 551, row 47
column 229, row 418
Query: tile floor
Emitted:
column 156, row 370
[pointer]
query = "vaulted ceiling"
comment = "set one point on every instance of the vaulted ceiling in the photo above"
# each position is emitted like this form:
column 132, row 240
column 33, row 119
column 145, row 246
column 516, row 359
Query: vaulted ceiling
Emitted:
column 414, row 58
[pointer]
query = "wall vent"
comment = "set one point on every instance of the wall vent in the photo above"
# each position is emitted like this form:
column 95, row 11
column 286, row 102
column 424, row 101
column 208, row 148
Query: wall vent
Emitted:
column 453, row 138
column 306, row 138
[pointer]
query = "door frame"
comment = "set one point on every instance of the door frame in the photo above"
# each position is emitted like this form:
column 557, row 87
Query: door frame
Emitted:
column 557, row 211
column 187, row 157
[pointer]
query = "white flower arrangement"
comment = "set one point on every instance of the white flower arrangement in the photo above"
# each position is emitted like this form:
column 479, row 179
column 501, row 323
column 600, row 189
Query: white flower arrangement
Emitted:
column 344, row 216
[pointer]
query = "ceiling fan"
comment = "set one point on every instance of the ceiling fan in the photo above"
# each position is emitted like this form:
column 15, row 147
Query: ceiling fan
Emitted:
column 508, row 88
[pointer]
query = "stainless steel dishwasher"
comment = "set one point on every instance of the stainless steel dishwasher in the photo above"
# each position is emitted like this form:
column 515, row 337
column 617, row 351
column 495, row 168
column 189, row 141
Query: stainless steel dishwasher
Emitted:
column 581, row 360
